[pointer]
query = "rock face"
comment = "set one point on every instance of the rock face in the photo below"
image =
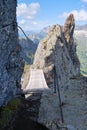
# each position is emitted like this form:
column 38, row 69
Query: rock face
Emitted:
column 11, row 64
column 69, row 29
column 56, row 50
column 71, row 45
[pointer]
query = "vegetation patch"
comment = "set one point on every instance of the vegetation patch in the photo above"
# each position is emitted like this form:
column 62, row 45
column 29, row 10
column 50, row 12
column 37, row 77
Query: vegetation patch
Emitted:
column 6, row 112
column 82, row 52
column 26, row 68
column 45, row 45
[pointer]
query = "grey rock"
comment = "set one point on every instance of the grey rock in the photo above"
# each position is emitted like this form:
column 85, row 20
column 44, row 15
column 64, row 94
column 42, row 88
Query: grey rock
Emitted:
column 70, row 127
column 68, row 30
column 11, row 64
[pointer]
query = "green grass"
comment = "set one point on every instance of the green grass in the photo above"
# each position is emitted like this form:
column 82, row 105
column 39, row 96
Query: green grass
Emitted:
column 6, row 113
column 82, row 52
column 83, row 60
column 26, row 68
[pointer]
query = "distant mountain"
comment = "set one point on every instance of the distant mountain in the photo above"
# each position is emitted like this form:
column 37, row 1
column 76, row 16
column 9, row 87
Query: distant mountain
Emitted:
column 45, row 30
column 29, row 46
column 80, row 30
column 28, row 49
column 81, row 27
column 36, row 37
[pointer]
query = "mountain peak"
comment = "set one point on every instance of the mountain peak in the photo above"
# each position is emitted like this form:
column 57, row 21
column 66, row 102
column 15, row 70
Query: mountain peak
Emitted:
column 69, row 27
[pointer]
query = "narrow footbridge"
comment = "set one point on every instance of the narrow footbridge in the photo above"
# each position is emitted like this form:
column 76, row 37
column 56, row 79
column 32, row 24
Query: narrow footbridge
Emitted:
column 37, row 82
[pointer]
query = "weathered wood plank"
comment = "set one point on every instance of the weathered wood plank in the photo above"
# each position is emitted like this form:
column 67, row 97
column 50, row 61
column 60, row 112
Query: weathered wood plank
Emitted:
column 37, row 82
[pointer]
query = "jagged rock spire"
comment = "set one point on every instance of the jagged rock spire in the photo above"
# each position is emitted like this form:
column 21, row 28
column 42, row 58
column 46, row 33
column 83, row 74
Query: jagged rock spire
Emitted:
column 69, row 28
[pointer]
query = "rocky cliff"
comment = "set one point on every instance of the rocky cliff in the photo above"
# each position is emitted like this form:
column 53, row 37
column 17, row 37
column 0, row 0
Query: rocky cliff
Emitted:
column 58, row 49
column 11, row 64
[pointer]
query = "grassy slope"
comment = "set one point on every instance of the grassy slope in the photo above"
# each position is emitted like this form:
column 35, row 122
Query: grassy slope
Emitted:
column 82, row 52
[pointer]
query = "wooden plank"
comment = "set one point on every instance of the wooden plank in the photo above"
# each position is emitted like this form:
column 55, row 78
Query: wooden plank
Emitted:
column 37, row 82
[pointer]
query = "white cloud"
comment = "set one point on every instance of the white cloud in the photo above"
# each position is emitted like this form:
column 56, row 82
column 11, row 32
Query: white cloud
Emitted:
column 26, row 17
column 28, row 25
column 22, row 21
column 27, row 11
column 35, row 23
column 80, row 15
column 84, row 0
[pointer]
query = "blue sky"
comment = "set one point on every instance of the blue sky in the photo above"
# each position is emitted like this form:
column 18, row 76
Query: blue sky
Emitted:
column 36, row 14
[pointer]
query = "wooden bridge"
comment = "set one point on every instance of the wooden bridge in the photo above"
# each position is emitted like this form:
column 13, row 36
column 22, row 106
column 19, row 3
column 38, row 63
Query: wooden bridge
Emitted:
column 37, row 82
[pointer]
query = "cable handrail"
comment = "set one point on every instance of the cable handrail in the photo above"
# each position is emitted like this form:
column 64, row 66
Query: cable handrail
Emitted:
column 4, row 26
column 56, row 86
column 15, row 23
column 23, row 32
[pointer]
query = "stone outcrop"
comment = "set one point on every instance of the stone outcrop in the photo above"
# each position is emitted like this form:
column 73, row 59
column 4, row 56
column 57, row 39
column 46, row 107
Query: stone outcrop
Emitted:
column 69, row 29
column 11, row 64
column 70, row 43
column 54, row 51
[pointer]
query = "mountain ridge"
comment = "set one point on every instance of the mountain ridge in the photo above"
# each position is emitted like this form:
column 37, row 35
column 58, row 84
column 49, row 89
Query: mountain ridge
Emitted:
column 58, row 50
